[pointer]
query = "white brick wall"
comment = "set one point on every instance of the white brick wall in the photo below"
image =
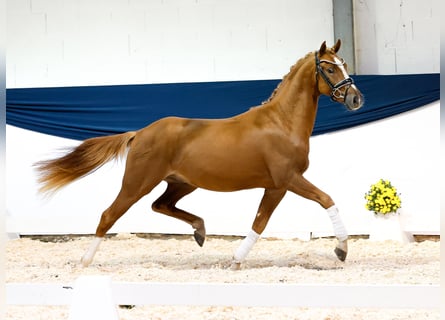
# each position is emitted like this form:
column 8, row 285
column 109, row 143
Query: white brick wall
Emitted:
column 66, row 42
column 397, row 36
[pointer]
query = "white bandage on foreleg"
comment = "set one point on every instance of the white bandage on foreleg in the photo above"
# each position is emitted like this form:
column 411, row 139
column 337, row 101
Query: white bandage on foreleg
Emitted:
column 245, row 246
column 337, row 223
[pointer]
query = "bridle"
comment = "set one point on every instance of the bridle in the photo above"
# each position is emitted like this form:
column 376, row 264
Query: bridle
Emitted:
column 335, row 88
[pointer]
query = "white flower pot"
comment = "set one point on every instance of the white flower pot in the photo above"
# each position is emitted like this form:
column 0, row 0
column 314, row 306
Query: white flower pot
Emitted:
column 388, row 227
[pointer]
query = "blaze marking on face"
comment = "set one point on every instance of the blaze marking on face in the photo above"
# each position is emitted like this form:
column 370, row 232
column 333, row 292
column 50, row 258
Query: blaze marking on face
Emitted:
column 342, row 68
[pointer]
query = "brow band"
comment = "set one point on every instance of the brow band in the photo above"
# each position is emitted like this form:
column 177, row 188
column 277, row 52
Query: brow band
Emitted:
column 342, row 62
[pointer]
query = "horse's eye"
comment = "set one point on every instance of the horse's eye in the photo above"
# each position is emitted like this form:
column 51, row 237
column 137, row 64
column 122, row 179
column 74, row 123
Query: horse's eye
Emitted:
column 331, row 70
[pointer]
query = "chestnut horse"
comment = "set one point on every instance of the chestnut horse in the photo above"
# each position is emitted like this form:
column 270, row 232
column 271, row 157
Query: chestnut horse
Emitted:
column 265, row 147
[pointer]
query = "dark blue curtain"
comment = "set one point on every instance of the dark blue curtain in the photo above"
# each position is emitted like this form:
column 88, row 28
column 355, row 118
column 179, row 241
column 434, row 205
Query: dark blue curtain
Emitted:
column 84, row 112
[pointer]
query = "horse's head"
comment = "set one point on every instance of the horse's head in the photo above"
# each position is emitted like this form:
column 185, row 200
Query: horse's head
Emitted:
column 335, row 81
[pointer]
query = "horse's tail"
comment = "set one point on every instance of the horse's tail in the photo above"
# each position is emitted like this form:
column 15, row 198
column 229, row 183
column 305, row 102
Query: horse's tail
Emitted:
column 82, row 160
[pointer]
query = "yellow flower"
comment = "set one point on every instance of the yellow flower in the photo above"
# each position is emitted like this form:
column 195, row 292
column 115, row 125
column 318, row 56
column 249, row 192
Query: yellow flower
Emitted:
column 382, row 197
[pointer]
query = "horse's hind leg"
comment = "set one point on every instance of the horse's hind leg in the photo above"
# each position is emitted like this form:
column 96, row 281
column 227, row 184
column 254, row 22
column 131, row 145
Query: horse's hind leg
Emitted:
column 135, row 184
column 121, row 204
column 166, row 204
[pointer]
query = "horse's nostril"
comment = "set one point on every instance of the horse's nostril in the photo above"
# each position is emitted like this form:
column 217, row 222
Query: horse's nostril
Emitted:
column 355, row 100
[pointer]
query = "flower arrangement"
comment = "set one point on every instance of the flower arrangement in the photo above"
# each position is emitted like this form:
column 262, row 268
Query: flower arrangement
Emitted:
column 382, row 198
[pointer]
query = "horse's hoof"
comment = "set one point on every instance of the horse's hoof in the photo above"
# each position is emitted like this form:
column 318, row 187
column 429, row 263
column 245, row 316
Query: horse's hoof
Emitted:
column 85, row 262
column 199, row 237
column 341, row 254
column 235, row 266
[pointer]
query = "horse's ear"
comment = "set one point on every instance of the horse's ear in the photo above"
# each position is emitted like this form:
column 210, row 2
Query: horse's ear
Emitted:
column 322, row 48
column 337, row 45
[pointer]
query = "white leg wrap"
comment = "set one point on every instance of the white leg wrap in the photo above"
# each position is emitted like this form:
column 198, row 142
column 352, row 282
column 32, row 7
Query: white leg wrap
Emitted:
column 337, row 223
column 89, row 255
column 246, row 245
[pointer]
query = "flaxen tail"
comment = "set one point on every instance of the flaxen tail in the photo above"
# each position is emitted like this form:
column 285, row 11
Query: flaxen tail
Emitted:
column 82, row 160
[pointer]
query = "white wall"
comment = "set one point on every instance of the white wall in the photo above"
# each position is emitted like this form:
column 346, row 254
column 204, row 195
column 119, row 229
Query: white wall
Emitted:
column 397, row 36
column 66, row 42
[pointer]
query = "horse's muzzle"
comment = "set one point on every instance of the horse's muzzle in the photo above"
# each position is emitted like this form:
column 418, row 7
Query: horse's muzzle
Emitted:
column 354, row 99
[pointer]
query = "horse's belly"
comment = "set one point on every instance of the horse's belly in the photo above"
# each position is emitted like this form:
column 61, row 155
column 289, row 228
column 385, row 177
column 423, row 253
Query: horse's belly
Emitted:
column 225, row 183
column 225, row 177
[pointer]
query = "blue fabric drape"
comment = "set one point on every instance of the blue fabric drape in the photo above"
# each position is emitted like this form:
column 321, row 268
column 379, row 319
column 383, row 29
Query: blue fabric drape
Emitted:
column 84, row 112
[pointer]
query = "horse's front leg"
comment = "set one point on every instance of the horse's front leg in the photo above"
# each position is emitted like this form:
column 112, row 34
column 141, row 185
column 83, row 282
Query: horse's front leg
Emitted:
column 304, row 188
column 269, row 202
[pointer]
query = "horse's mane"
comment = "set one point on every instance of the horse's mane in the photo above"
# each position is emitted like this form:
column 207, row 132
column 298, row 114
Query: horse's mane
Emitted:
column 292, row 69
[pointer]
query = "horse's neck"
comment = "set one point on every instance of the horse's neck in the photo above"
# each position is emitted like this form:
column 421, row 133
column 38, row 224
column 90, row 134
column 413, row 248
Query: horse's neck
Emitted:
column 296, row 102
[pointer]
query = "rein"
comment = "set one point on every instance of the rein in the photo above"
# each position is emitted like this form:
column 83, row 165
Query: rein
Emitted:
column 335, row 88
